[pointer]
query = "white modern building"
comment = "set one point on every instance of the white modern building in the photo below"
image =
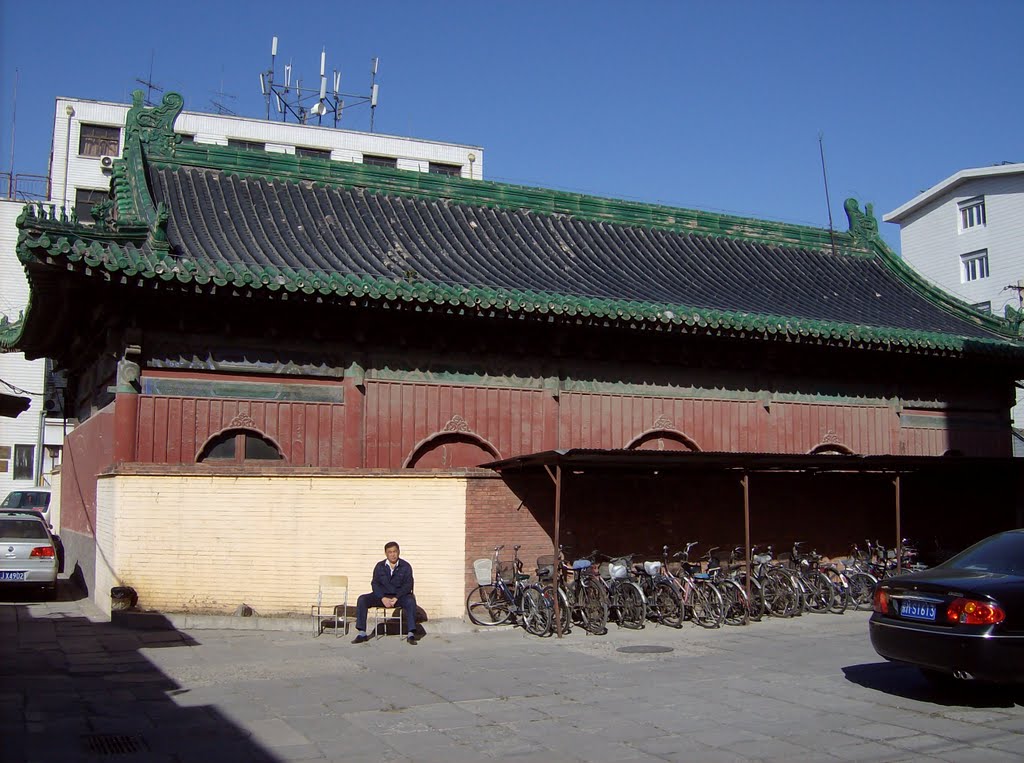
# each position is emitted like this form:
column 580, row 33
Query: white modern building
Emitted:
column 87, row 136
column 966, row 235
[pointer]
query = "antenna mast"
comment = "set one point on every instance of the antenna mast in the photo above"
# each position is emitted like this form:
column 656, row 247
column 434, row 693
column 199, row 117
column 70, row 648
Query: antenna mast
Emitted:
column 150, row 86
column 828, row 202
column 302, row 103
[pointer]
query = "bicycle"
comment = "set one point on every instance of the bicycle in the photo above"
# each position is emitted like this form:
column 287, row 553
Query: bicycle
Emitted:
column 581, row 599
column 627, row 603
column 736, row 603
column 702, row 601
column 494, row 603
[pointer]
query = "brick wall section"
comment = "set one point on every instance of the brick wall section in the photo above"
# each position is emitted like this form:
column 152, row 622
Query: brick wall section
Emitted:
column 89, row 450
column 496, row 515
column 207, row 543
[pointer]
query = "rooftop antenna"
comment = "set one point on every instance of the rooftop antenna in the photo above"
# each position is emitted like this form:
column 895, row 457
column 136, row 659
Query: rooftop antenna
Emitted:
column 217, row 102
column 302, row 103
column 150, row 85
column 14, row 124
column 828, row 202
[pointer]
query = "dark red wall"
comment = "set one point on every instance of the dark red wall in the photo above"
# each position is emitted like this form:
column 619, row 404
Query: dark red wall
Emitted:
column 88, row 450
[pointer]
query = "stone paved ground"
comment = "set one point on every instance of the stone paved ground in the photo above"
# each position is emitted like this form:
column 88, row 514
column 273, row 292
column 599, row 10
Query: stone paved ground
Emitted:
column 804, row 689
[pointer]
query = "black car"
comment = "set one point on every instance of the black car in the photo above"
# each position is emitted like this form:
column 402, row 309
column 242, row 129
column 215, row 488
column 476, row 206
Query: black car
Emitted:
column 961, row 619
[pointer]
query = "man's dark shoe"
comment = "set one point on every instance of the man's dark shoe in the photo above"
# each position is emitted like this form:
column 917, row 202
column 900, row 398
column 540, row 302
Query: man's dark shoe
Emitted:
column 412, row 640
column 360, row 639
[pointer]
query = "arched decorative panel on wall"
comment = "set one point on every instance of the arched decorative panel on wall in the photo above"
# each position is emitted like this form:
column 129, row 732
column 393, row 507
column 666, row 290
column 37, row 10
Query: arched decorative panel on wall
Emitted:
column 451, row 450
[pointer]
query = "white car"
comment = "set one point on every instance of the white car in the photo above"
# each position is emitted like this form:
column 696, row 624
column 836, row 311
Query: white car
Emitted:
column 37, row 499
column 28, row 553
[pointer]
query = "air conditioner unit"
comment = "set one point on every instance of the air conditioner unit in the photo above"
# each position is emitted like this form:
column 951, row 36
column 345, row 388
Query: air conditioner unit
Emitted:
column 107, row 162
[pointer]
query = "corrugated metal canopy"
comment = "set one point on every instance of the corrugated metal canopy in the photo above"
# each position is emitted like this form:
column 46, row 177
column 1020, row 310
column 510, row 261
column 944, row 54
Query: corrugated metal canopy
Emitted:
column 594, row 460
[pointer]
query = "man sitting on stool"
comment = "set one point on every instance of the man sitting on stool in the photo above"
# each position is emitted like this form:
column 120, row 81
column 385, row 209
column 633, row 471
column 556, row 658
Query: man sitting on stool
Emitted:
column 392, row 588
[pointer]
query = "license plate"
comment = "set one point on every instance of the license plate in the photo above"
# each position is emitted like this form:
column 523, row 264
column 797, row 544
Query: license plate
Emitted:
column 12, row 575
column 917, row 610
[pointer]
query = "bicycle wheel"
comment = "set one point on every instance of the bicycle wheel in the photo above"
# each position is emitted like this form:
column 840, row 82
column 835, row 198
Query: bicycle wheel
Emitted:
column 794, row 593
column 840, row 590
column 487, row 606
column 819, row 592
column 593, row 608
column 755, row 604
column 631, row 610
column 669, row 605
column 781, row 594
column 536, row 614
column 708, row 607
column 862, row 589
column 735, row 602
column 564, row 607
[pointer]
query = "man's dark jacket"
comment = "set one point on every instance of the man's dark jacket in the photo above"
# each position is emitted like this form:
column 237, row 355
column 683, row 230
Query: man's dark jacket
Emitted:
column 387, row 583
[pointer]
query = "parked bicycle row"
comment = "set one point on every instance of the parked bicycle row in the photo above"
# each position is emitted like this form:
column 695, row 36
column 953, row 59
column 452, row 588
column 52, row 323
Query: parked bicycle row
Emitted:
column 599, row 589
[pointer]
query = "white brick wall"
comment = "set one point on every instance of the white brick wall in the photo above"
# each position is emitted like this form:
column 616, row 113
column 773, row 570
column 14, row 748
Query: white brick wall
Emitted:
column 208, row 544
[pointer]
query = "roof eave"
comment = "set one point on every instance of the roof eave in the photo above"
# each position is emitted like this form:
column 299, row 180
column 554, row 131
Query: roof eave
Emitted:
column 944, row 186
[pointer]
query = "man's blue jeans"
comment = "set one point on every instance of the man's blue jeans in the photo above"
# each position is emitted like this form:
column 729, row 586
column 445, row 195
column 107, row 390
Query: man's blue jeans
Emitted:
column 406, row 603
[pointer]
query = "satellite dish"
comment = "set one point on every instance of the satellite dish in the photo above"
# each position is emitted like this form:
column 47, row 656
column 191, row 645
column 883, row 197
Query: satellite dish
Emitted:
column 318, row 108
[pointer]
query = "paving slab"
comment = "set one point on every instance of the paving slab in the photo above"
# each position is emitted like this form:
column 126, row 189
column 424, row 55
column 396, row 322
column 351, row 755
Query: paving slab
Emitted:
column 807, row 688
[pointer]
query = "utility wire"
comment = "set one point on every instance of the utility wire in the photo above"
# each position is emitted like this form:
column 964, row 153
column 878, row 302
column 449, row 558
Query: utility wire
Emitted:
column 19, row 390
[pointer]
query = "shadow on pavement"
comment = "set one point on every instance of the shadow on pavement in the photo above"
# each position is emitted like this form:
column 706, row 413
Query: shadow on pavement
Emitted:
column 78, row 690
column 908, row 682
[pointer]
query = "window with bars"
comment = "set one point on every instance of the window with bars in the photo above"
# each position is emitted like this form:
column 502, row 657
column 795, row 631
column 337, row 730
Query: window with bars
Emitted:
column 437, row 168
column 380, row 161
column 236, row 446
column 972, row 213
column 24, row 462
column 246, row 145
column 85, row 198
column 974, row 266
column 98, row 140
column 313, row 153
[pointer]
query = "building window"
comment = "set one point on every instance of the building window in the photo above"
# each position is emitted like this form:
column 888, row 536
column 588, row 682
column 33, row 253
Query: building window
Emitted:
column 186, row 139
column 99, row 140
column 983, row 307
column 246, row 145
column 972, row 213
column 24, row 456
column 974, row 266
column 236, row 446
column 437, row 168
column 84, row 201
column 380, row 161
column 313, row 153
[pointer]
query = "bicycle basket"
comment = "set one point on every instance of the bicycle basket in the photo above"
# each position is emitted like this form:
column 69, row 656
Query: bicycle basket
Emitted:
column 507, row 571
column 482, row 569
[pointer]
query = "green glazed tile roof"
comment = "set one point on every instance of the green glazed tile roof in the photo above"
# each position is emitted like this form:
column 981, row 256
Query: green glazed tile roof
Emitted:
column 214, row 216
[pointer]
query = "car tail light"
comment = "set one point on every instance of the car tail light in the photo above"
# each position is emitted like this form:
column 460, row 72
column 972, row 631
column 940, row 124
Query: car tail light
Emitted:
column 881, row 601
column 46, row 551
column 973, row 612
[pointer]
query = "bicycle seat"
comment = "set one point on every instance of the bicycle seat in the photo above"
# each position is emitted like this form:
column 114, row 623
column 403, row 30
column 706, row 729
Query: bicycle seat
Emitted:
column 701, row 576
column 652, row 568
column 581, row 564
column 522, row 576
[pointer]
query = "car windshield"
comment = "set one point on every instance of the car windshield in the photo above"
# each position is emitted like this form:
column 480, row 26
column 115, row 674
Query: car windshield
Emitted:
column 1003, row 553
column 22, row 529
column 24, row 499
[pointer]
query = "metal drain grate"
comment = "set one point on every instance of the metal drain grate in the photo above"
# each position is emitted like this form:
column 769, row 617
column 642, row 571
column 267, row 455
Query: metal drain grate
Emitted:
column 114, row 744
column 644, row 649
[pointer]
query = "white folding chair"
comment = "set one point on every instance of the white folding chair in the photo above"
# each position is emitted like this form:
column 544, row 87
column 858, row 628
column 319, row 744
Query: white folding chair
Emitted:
column 381, row 616
column 330, row 590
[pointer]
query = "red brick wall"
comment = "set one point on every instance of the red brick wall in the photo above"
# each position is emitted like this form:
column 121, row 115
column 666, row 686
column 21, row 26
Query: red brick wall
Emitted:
column 88, row 450
column 495, row 515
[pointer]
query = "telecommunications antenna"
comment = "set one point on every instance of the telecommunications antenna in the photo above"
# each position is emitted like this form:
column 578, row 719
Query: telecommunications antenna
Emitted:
column 292, row 100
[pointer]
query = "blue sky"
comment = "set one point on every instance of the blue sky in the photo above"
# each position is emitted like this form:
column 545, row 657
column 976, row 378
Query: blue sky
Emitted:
column 714, row 105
